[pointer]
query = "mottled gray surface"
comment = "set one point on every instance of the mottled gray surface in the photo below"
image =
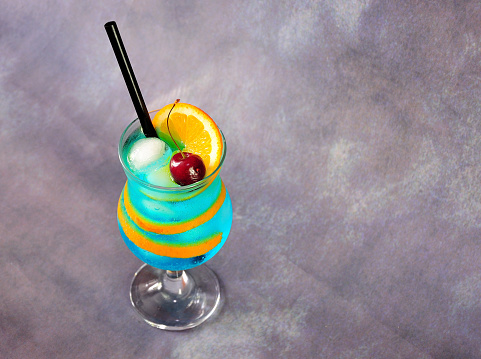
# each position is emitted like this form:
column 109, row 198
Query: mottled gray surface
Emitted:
column 354, row 166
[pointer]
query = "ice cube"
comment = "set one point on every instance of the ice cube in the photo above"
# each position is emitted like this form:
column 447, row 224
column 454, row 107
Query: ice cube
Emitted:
column 161, row 177
column 147, row 152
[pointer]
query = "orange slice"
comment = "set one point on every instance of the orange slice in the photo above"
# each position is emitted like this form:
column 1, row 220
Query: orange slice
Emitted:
column 193, row 130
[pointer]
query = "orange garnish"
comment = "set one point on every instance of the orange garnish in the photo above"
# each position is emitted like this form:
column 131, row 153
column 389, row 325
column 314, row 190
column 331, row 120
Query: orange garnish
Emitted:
column 193, row 130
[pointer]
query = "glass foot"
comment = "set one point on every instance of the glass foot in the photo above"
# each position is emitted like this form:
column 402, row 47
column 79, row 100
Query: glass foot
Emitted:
column 175, row 300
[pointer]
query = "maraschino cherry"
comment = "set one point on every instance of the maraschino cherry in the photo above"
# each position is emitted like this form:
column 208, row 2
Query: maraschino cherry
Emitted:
column 185, row 167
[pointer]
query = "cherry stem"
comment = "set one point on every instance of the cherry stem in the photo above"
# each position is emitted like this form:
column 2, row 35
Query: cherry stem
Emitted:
column 168, row 128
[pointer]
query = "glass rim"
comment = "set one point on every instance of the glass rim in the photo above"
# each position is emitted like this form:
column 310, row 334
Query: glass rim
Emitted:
column 188, row 188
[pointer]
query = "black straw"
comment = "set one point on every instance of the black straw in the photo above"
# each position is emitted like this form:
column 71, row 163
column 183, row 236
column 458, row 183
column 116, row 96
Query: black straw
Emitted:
column 129, row 77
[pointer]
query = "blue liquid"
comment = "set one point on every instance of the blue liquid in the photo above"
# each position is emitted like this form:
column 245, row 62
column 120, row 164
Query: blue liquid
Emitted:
column 145, row 211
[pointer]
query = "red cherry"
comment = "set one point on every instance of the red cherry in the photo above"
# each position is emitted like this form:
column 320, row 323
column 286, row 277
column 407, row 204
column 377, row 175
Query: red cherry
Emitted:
column 186, row 170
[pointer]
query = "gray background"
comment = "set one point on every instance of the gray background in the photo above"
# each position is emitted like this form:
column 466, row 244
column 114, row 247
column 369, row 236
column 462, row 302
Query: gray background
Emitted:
column 354, row 148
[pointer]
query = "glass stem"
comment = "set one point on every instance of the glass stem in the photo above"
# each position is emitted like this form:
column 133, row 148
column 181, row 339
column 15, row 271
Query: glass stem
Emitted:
column 174, row 273
column 177, row 283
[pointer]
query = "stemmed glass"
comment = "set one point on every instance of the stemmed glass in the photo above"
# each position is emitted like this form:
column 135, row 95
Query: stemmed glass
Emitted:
column 173, row 230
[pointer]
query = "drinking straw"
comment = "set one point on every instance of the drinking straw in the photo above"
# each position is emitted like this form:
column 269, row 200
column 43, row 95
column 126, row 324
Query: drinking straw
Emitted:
column 129, row 77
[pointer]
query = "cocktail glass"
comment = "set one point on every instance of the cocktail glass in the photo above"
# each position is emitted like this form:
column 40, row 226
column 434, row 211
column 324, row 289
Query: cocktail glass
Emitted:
column 173, row 230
